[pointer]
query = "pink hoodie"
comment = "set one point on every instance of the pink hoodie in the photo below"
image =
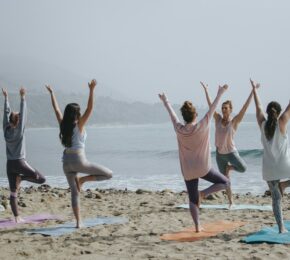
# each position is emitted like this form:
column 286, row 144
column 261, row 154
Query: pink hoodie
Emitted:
column 193, row 142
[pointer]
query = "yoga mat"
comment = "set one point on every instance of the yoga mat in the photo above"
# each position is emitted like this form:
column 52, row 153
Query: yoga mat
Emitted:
column 68, row 228
column 39, row 218
column 233, row 207
column 210, row 230
column 269, row 235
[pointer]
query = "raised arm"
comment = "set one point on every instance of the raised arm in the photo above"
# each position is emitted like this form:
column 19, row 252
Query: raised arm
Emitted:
column 239, row 117
column 54, row 103
column 213, row 106
column 172, row 114
column 23, row 110
column 7, row 109
column 284, row 119
column 84, row 118
column 208, row 99
column 259, row 110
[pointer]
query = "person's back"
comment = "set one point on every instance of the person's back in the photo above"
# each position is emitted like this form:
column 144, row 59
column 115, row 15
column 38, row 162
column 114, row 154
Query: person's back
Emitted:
column 78, row 139
column 193, row 142
column 276, row 165
column 276, row 157
column 17, row 167
column 14, row 136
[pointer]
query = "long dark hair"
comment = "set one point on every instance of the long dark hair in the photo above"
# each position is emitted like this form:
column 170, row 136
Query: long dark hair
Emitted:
column 70, row 118
column 273, row 111
column 188, row 111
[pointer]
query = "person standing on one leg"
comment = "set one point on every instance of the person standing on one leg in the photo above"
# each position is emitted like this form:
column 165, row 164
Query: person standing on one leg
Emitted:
column 227, row 155
column 17, row 167
column 276, row 154
column 194, row 152
column 73, row 136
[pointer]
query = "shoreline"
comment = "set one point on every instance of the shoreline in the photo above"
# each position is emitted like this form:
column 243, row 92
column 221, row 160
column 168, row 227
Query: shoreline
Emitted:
column 150, row 214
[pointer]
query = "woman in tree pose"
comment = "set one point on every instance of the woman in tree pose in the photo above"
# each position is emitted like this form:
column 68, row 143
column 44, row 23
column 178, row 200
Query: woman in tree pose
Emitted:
column 227, row 155
column 194, row 153
column 276, row 155
column 17, row 167
column 73, row 136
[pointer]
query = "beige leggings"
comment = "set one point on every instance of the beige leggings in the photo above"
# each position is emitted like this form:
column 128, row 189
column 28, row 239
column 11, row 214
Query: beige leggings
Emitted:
column 77, row 163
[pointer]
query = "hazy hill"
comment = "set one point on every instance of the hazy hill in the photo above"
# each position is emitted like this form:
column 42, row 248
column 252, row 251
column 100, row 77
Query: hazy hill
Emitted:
column 112, row 106
column 106, row 110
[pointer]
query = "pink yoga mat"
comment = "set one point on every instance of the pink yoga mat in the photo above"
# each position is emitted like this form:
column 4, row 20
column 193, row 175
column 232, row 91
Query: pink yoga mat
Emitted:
column 38, row 218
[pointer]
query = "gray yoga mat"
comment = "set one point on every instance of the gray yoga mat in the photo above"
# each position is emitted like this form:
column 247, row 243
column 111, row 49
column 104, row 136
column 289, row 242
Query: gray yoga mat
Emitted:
column 233, row 207
column 68, row 228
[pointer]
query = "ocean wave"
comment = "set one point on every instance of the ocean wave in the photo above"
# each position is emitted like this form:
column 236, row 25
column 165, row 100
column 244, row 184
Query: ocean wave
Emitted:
column 249, row 153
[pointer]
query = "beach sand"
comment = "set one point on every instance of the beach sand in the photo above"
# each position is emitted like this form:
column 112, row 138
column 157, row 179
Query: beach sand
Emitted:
column 150, row 215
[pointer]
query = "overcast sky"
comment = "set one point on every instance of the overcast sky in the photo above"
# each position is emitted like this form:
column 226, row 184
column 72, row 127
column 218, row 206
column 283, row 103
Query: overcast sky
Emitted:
column 142, row 47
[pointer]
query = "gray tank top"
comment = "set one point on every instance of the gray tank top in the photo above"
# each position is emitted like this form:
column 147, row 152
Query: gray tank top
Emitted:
column 78, row 139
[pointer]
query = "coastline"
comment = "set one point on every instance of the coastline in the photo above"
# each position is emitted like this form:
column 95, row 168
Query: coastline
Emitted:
column 150, row 214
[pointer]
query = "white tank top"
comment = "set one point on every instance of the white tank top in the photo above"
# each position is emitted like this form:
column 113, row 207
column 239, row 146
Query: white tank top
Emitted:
column 224, row 137
column 78, row 139
column 276, row 156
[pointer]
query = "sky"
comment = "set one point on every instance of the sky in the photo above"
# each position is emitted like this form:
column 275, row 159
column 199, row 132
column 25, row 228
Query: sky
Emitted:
column 140, row 48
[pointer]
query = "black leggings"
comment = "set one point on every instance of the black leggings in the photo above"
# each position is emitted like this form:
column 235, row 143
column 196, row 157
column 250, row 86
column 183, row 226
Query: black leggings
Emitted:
column 26, row 172
column 220, row 182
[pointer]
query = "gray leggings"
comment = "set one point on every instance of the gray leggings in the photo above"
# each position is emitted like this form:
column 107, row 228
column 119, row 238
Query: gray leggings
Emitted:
column 77, row 162
column 234, row 159
column 276, row 202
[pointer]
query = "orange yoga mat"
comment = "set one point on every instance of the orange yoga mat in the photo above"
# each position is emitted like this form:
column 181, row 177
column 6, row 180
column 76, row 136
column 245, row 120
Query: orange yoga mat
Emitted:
column 210, row 230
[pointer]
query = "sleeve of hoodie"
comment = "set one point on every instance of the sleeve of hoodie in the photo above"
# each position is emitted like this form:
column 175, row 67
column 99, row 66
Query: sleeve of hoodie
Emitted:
column 7, row 112
column 23, row 116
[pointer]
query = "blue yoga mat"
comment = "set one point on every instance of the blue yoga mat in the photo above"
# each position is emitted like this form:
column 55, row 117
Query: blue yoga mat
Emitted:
column 233, row 207
column 270, row 235
column 68, row 228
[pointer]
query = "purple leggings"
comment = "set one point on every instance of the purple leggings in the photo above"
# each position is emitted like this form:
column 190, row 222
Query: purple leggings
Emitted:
column 220, row 183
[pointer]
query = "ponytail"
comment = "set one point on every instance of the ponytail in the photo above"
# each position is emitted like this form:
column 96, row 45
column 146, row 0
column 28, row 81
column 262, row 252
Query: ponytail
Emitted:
column 273, row 111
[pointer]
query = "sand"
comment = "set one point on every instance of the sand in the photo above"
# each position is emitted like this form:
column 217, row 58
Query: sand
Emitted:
column 150, row 215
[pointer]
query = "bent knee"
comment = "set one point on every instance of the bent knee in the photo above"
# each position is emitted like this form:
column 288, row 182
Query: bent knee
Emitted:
column 243, row 168
column 42, row 180
column 109, row 175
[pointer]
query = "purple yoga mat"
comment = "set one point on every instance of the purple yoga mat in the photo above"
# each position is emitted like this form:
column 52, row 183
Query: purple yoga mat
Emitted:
column 38, row 218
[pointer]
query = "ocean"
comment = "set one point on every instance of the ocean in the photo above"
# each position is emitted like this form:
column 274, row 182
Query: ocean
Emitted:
column 141, row 157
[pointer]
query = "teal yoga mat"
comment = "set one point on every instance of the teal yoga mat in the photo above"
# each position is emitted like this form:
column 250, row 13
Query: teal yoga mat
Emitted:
column 269, row 235
column 68, row 228
column 234, row 207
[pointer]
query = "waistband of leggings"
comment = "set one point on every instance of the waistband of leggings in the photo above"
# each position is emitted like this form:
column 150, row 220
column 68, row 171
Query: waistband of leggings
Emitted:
column 73, row 151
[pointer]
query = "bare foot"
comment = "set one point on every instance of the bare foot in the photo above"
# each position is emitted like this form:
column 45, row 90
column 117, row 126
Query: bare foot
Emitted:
column 199, row 229
column 231, row 204
column 18, row 181
column 282, row 186
column 283, row 230
column 80, row 225
column 200, row 198
column 78, row 183
column 19, row 220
